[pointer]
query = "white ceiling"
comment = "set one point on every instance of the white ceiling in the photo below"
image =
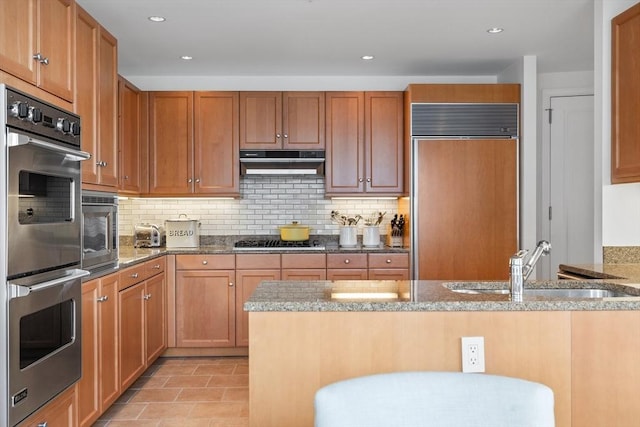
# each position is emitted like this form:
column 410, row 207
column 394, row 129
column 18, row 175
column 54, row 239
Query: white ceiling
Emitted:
column 328, row 37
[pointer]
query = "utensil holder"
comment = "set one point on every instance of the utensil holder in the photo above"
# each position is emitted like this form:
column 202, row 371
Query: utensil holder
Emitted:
column 371, row 236
column 348, row 236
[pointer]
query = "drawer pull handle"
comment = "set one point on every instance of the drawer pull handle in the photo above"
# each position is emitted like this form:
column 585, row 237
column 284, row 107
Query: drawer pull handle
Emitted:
column 388, row 261
column 42, row 424
column 134, row 276
column 156, row 267
column 103, row 298
column 230, row 284
column 147, row 297
column 205, row 262
column 347, row 261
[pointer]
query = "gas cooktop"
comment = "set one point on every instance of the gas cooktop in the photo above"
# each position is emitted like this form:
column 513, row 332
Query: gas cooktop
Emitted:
column 277, row 244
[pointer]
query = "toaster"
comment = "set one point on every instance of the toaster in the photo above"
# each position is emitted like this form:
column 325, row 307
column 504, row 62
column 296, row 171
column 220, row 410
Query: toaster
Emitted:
column 149, row 236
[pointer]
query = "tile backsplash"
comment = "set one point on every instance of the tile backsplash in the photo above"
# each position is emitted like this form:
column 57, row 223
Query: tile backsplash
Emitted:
column 264, row 204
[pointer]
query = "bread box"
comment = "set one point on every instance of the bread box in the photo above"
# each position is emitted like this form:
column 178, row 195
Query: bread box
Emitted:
column 182, row 232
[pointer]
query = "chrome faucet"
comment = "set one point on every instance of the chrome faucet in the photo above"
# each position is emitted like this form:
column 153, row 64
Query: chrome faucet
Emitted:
column 519, row 271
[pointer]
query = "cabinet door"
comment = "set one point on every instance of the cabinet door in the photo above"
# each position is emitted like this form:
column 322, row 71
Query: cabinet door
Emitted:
column 18, row 42
column 88, row 387
column 155, row 317
column 205, row 308
column 625, row 92
column 56, row 42
column 303, row 120
column 260, row 120
column 216, row 142
column 304, row 274
column 109, row 339
column 108, row 109
column 344, row 168
column 131, row 332
column 171, row 143
column 86, row 87
column 383, row 138
column 131, row 131
column 247, row 282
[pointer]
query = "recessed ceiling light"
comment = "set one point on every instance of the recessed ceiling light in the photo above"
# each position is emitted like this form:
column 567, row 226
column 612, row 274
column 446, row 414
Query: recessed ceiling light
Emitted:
column 186, row 57
column 157, row 18
column 367, row 57
column 495, row 30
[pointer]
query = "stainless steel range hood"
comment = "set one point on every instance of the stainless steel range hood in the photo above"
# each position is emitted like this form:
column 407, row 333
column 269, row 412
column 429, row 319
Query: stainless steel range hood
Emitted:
column 281, row 162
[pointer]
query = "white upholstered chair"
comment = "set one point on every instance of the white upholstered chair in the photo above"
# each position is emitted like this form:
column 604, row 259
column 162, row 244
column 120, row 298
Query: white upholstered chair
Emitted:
column 434, row 399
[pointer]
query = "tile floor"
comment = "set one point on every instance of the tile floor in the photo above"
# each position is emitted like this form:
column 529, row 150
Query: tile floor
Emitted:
column 185, row 392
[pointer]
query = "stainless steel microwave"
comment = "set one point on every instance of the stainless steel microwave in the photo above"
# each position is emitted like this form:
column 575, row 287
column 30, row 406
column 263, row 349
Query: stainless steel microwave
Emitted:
column 100, row 230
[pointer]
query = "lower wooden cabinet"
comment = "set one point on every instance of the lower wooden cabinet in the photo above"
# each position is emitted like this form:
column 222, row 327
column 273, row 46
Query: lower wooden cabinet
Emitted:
column 347, row 266
column 99, row 386
column 60, row 412
column 388, row 266
column 141, row 319
column 250, row 271
column 304, row 267
column 205, row 301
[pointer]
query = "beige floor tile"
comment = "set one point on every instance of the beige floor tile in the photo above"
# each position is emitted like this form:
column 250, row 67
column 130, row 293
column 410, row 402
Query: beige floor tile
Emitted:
column 186, row 422
column 219, row 410
column 170, row 370
column 136, row 423
column 186, row 381
column 201, row 395
column 149, row 382
column 121, row 411
column 166, row 411
column 241, row 369
column 156, row 395
column 214, row 369
column 236, row 394
column 229, row 381
column 239, row 422
column 232, row 360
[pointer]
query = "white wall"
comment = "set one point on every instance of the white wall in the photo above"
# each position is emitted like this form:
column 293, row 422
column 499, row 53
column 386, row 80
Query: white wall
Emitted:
column 620, row 203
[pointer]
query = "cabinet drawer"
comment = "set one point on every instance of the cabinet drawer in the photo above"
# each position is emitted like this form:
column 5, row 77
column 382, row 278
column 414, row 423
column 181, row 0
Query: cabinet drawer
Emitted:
column 257, row 261
column 155, row 266
column 304, row 261
column 206, row 262
column 388, row 260
column 346, row 260
column 132, row 275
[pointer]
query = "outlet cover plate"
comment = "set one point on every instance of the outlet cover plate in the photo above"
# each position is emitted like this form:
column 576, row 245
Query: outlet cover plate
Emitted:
column 472, row 354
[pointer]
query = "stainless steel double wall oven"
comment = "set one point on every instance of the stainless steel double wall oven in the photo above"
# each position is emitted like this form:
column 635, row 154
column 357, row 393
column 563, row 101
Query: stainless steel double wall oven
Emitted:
column 41, row 253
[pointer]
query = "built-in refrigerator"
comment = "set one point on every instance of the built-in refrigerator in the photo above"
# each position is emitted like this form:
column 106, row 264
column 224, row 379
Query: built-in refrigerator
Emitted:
column 464, row 190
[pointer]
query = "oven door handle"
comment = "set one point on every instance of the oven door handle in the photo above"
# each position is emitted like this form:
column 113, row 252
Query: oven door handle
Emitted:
column 70, row 153
column 17, row 291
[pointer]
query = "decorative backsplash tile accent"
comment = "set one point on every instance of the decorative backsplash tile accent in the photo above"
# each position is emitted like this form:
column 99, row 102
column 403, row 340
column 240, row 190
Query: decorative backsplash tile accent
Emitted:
column 265, row 203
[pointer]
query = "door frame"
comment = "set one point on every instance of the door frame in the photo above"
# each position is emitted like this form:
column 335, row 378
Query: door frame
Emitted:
column 545, row 176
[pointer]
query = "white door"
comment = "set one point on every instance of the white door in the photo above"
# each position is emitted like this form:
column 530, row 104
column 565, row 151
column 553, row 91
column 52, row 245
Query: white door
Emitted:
column 571, row 183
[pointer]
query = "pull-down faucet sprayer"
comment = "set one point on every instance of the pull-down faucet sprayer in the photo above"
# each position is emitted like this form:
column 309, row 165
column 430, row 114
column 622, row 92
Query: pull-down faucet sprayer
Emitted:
column 520, row 271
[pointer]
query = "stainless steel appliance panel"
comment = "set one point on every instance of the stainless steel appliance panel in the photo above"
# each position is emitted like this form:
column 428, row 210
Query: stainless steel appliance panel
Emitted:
column 100, row 230
column 44, row 341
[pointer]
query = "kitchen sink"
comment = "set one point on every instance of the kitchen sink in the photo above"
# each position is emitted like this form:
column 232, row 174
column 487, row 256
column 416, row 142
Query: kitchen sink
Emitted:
column 551, row 293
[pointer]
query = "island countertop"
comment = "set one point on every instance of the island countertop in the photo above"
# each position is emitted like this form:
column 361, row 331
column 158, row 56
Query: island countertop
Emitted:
column 423, row 295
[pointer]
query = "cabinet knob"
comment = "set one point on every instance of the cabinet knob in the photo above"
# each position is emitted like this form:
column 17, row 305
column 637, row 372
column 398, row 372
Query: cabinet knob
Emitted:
column 277, row 135
column 286, row 135
column 347, row 261
column 230, row 284
column 103, row 298
column 156, row 267
column 368, row 179
column 41, row 59
column 388, row 261
column 197, row 179
column 134, row 276
column 147, row 297
column 43, row 424
column 190, row 180
column 205, row 262
column 360, row 179
column 126, row 177
column 101, row 164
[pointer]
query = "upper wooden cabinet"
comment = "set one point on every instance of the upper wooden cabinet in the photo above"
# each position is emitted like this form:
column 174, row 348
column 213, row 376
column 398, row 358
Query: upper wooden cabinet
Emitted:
column 193, row 143
column 625, row 93
column 132, row 138
column 36, row 43
column 282, row 120
column 96, row 101
column 364, row 143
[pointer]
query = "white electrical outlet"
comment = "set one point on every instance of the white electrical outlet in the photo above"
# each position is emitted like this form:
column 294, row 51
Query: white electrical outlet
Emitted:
column 472, row 354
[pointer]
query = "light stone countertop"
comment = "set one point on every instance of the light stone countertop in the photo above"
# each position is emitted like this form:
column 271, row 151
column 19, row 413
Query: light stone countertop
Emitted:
column 422, row 295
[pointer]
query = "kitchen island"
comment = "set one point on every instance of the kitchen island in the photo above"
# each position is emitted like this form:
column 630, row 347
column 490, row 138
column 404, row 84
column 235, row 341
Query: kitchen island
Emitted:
column 304, row 335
